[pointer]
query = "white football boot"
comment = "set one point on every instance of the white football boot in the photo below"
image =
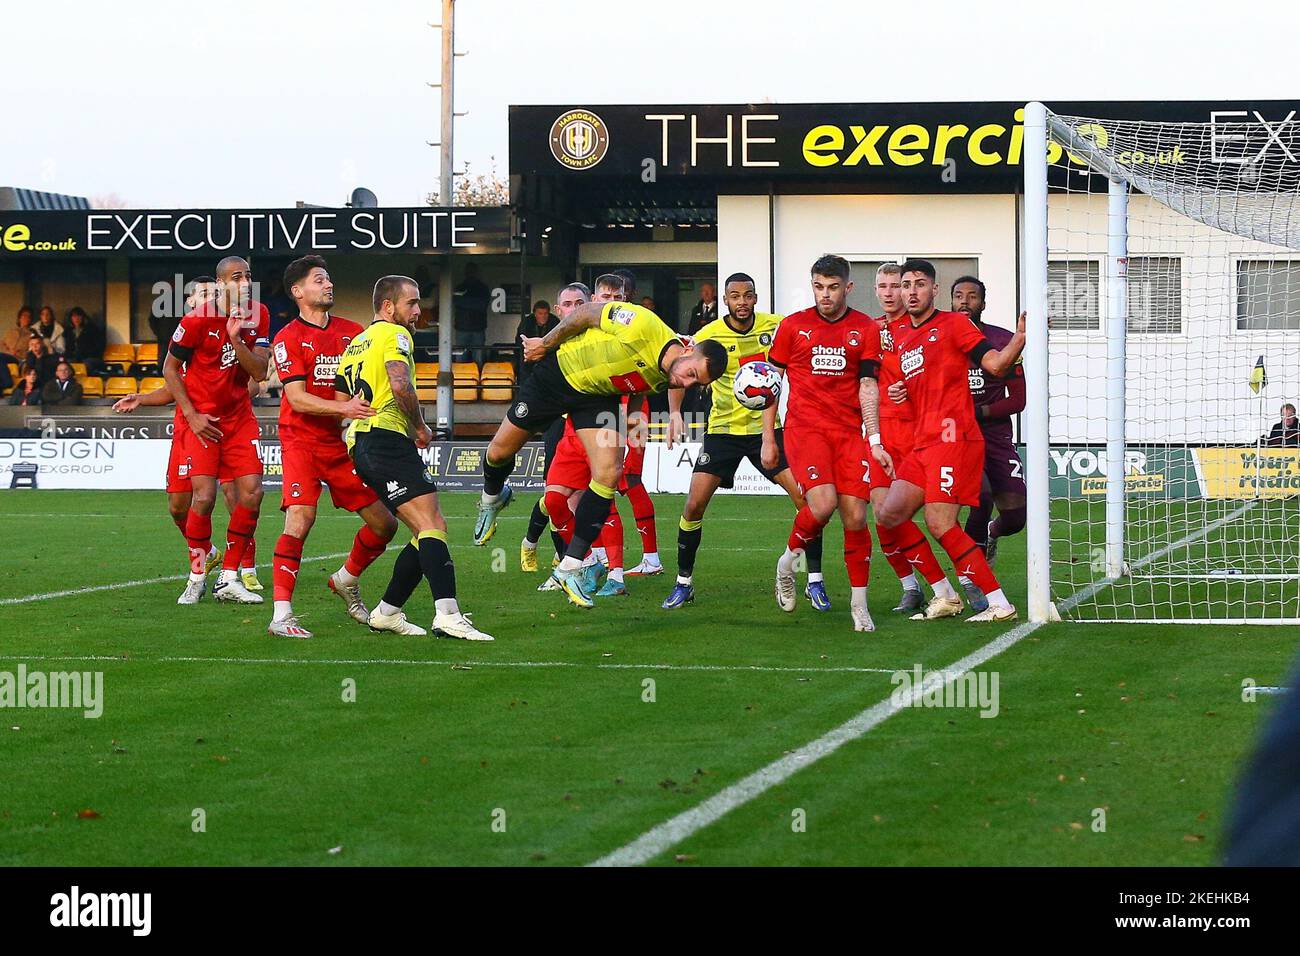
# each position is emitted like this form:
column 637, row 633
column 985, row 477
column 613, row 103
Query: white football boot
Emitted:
column 786, row 586
column 351, row 595
column 397, row 623
column 233, row 590
column 193, row 592
column 940, row 607
column 862, row 618
column 288, row 627
column 993, row 613
column 459, row 626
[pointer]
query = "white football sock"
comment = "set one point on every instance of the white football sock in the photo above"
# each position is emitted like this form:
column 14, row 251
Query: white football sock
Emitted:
column 388, row 610
column 616, row 574
column 446, row 606
column 943, row 589
column 227, row 576
column 998, row 599
column 651, row 557
column 486, row 499
column 815, row 577
column 910, row 583
column 787, row 560
column 283, row 609
column 569, row 563
column 684, row 579
column 963, row 580
column 858, row 597
column 345, row 579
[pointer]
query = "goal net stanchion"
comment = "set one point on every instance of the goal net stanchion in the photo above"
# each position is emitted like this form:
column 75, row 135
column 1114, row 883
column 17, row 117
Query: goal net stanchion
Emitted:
column 1162, row 285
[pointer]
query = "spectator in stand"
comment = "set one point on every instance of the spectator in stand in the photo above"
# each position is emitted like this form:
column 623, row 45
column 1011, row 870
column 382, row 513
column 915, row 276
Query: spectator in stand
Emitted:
column 83, row 341
column 471, row 299
column 535, row 326
column 706, row 310
column 648, row 302
column 51, row 329
column 40, row 358
column 1286, row 433
column 282, row 308
column 14, row 344
column 28, row 391
column 63, row 389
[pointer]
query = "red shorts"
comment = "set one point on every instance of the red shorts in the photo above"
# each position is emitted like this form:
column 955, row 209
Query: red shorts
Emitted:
column 570, row 468
column 182, row 462
column 896, row 435
column 838, row 458
column 308, row 463
column 948, row 471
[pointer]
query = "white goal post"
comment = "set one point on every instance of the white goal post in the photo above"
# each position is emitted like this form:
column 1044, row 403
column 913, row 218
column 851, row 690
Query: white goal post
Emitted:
column 1162, row 285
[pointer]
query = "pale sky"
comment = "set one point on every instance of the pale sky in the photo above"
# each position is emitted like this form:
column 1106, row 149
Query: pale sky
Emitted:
column 252, row 103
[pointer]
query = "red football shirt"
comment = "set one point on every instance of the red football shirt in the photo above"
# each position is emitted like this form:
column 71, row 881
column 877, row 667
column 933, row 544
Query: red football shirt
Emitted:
column 823, row 362
column 934, row 358
column 308, row 353
column 890, row 372
column 213, row 377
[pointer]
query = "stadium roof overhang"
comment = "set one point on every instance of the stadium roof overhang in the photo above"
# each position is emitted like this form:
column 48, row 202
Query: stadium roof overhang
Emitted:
column 213, row 233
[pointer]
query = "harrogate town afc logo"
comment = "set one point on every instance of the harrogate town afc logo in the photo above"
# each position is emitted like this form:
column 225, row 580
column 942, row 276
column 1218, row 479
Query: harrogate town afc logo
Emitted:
column 579, row 139
column 521, row 410
column 765, row 339
column 705, row 458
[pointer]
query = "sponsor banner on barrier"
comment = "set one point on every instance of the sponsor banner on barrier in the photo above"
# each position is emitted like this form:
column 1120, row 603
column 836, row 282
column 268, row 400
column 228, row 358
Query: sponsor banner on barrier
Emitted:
column 87, row 462
column 1248, row 472
column 142, row 463
column 668, row 471
column 1151, row 470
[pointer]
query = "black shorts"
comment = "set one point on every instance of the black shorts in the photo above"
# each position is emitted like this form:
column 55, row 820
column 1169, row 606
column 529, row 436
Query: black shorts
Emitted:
column 721, row 455
column 547, row 394
column 391, row 465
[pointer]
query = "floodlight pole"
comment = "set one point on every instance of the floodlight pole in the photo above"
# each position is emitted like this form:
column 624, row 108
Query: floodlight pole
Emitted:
column 446, row 191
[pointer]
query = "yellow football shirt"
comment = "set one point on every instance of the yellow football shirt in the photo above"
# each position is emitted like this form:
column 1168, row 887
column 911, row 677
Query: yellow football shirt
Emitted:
column 728, row 416
column 621, row 355
column 363, row 371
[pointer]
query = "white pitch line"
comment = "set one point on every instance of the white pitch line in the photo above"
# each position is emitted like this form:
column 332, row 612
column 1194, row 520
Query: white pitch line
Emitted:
column 689, row 822
column 91, row 589
column 378, row 661
column 673, row 831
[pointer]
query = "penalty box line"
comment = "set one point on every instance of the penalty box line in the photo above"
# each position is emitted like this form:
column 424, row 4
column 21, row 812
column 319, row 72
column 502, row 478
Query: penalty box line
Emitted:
column 399, row 662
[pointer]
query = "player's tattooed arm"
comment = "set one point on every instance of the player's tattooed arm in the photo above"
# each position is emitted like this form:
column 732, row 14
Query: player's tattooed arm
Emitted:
column 399, row 380
column 585, row 316
column 768, row 452
column 998, row 362
column 869, row 402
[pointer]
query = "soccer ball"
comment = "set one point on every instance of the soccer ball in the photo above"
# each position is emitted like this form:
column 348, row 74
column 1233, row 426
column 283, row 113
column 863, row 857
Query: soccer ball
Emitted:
column 757, row 385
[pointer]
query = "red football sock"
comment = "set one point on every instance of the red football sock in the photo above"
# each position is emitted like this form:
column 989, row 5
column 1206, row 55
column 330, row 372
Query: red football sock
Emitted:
column 889, row 547
column 968, row 559
column 243, row 522
column 918, row 552
column 198, row 533
column 643, row 512
column 284, row 573
column 181, row 520
column 857, row 556
column 366, row 548
column 611, row 538
column 557, row 506
column 806, row 527
column 249, row 560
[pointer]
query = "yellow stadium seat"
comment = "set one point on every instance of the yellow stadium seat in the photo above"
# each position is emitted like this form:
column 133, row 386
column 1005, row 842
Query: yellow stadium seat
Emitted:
column 149, row 384
column 498, row 371
column 119, row 353
column 92, row 387
column 427, row 393
column 78, row 370
column 147, row 352
column 464, row 382
column 120, row 385
column 426, row 373
column 14, row 373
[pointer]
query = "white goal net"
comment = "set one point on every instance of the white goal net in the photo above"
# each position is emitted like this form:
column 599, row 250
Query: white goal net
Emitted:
column 1168, row 268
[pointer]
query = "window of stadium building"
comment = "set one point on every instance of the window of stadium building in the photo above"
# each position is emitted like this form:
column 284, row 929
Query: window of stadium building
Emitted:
column 1072, row 288
column 947, row 270
column 1268, row 295
column 1155, row 295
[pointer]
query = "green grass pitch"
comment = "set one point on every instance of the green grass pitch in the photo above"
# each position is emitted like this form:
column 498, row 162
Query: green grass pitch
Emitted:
column 541, row 749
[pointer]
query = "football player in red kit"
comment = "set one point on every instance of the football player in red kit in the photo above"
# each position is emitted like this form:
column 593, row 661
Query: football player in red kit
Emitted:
column 214, row 353
column 306, row 353
column 946, row 465
column 897, row 433
column 830, row 354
